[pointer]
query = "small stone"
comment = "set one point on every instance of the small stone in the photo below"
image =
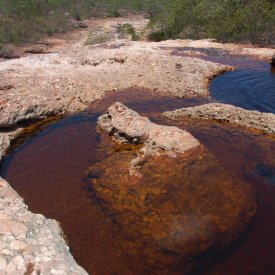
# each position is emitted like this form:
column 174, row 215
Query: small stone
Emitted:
column 46, row 259
column 3, row 263
column 11, row 268
column 57, row 272
column 9, row 226
column 4, row 216
column 18, row 260
column 18, row 245
column 6, row 252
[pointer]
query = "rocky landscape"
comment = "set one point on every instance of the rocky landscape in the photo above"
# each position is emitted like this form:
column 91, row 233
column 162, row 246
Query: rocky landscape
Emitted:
column 35, row 87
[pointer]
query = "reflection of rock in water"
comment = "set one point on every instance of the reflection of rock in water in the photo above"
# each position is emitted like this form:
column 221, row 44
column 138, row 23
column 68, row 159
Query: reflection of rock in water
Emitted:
column 179, row 208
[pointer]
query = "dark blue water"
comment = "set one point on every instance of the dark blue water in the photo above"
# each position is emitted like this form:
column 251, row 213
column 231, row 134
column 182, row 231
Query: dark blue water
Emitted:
column 251, row 86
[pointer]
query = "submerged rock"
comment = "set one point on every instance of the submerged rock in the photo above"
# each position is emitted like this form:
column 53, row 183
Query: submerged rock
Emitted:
column 179, row 207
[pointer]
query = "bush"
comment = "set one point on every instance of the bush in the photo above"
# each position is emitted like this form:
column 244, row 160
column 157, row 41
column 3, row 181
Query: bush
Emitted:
column 226, row 20
column 128, row 30
column 29, row 20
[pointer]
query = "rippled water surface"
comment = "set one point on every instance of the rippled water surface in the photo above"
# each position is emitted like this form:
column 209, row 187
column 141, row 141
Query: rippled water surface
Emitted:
column 251, row 86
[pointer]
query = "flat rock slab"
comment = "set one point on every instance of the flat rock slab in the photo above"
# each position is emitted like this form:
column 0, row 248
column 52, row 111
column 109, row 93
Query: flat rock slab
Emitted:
column 229, row 114
column 38, row 86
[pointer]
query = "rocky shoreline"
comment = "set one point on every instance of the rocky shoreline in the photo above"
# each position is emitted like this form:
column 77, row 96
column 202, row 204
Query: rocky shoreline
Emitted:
column 226, row 113
column 36, row 87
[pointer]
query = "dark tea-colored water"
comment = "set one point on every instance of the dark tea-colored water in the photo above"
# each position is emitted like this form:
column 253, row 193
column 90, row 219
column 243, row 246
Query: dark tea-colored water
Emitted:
column 50, row 172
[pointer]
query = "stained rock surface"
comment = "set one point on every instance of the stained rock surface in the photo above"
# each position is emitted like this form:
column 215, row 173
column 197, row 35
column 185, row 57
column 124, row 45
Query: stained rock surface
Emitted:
column 179, row 206
column 228, row 114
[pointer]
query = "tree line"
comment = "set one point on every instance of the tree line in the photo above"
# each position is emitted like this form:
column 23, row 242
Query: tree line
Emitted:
column 250, row 21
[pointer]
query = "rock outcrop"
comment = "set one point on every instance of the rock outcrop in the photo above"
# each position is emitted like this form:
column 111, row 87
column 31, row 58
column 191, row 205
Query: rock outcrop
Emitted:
column 228, row 114
column 125, row 125
column 179, row 206
column 30, row 243
column 49, row 84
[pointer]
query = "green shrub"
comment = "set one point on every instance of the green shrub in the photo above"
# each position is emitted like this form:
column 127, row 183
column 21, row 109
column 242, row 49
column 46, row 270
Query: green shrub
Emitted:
column 128, row 30
column 226, row 20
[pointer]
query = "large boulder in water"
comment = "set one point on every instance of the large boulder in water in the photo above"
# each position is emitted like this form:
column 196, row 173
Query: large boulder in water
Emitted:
column 180, row 204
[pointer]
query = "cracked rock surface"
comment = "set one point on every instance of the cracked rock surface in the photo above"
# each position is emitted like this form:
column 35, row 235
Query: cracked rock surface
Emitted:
column 229, row 114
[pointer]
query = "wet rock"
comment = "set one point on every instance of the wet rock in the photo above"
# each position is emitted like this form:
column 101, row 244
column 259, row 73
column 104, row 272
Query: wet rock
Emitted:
column 177, row 208
column 273, row 61
column 228, row 114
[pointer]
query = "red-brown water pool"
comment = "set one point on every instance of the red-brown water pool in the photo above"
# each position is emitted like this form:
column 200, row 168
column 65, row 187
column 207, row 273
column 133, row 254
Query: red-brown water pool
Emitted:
column 50, row 172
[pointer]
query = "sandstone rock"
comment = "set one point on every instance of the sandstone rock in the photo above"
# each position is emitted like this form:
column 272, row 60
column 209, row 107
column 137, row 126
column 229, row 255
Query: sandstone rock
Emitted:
column 9, row 226
column 127, row 126
column 37, row 49
column 79, row 24
column 18, row 245
column 3, row 263
column 179, row 207
column 8, row 54
column 18, row 260
column 11, row 268
column 228, row 114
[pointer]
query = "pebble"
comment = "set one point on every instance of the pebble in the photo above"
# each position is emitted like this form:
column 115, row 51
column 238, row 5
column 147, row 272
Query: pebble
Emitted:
column 18, row 245
column 3, row 263
column 18, row 260
column 10, row 269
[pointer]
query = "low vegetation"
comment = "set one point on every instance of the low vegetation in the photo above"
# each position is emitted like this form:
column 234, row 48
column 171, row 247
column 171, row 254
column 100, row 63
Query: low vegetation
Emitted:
column 250, row 21
column 29, row 20
column 127, row 30
column 98, row 36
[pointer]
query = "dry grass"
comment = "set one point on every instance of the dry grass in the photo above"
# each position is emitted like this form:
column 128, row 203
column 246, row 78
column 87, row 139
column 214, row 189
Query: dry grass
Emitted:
column 98, row 36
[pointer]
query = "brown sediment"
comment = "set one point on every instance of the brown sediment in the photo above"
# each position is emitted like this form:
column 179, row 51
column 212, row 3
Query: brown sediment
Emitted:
column 172, row 214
